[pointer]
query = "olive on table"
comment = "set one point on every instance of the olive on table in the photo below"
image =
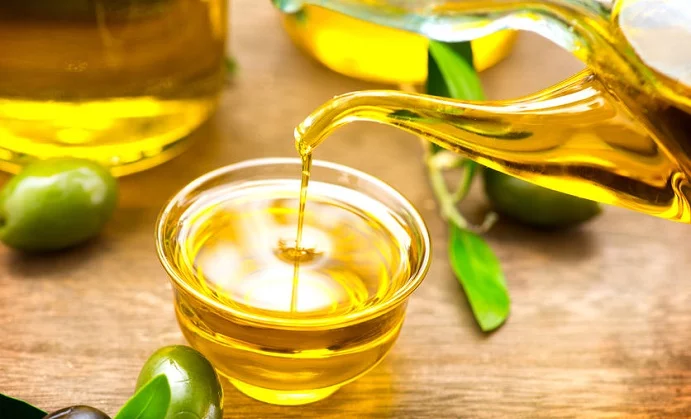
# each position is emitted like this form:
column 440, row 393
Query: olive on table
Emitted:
column 56, row 203
column 534, row 205
column 77, row 412
column 194, row 385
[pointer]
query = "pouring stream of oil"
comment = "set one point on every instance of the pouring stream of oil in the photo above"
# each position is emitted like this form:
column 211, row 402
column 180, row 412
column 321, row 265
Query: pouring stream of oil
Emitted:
column 299, row 251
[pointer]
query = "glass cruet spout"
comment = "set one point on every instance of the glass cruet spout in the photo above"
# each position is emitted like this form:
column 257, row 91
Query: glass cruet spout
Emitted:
column 619, row 132
column 574, row 137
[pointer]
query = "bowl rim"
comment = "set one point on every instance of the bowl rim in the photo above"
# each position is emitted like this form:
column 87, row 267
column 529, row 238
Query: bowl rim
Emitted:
column 401, row 295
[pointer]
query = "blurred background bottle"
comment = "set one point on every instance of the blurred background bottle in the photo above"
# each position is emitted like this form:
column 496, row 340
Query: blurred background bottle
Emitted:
column 375, row 53
column 122, row 82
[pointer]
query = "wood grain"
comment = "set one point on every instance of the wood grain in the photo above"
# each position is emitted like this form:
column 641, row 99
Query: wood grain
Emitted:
column 601, row 317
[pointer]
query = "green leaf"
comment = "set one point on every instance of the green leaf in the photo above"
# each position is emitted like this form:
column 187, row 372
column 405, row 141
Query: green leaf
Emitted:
column 150, row 402
column 405, row 115
column 14, row 408
column 469, row 169
column 481, row 277
column 231, row 65
column 300, row 16
column 451, row 74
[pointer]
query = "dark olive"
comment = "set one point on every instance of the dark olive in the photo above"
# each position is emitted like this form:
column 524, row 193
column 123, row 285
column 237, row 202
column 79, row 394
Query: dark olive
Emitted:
column 534, row 205
column 194, row 385
column 77, row 412
column 54, row 204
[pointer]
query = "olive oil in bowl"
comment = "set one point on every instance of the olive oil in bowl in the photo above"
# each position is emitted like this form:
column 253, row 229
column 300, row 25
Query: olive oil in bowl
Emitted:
column 287, row 324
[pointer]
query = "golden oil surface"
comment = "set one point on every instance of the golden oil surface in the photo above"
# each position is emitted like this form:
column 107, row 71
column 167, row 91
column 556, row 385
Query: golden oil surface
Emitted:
column 239, row 250
column 117, row 82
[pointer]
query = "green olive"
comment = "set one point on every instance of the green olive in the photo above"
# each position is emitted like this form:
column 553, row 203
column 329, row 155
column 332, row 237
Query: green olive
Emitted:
column 55, row 204
column 77, row 412
column 534, row 205
column 196, row 391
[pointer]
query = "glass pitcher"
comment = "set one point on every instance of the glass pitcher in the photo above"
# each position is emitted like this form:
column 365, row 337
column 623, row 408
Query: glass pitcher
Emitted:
column 117, row 81
column 618, row 132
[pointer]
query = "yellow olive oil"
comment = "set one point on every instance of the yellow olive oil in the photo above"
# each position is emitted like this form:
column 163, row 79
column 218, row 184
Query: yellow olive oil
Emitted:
column 118, row 82
column 617, row 133
column 591, row 136
column 239, row 249
column 372, row 52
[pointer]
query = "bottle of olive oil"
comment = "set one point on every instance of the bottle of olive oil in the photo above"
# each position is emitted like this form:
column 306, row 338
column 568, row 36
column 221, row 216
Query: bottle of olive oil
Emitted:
column 119, row 82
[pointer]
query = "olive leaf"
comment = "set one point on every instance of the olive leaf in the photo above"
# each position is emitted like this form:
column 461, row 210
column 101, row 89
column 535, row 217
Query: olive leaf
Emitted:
column 230, row 67
column 150, row 402
column 230, row 64
column 300, row 16
column 481, row 277
column 405, row 115
column 451, row 73
column 478, row 270
column 15, row 408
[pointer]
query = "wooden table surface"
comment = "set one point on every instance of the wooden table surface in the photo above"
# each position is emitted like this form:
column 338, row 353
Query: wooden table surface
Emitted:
column 601, row 316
